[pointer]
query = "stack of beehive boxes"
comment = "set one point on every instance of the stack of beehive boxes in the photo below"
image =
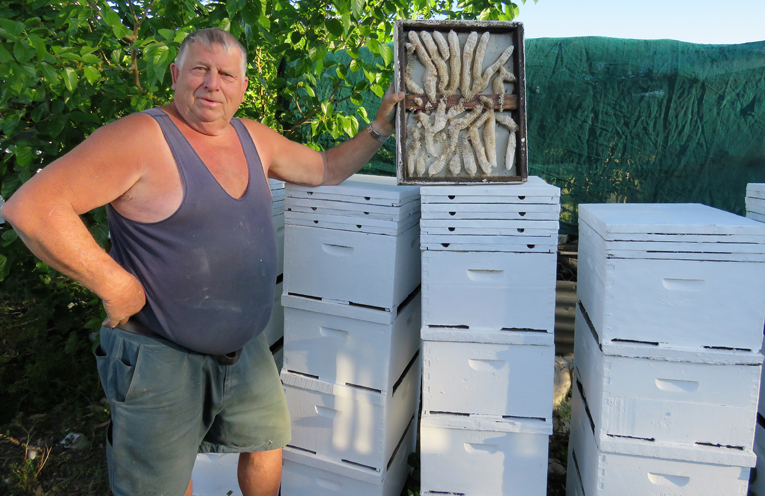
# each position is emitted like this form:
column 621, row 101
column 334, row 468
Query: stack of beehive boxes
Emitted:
column 667, row 363
column 275, row 329
column 488, row 304
column 755, row 209
column 351, row 340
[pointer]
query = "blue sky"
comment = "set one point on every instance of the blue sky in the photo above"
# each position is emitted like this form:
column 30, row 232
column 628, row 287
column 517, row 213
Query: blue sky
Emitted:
column 695, row 21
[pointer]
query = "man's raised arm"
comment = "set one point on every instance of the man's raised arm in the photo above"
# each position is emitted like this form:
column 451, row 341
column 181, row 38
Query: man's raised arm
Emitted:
column 45, row 212
column 299, row 164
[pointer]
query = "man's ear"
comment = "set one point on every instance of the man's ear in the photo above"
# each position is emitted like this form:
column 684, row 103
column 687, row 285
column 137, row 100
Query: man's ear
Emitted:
column 246, row 85
column 174, row 71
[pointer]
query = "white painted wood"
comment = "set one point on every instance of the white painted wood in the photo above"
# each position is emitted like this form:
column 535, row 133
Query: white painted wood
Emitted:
column 349, row 351
column 504, row 211
column 612, row 220
column 214, row 474
column 667, row 399
column 354, row 224
column 761, row 402
column 369, row 269
column 277, row 207
column 274, row 330
column 348, row 423
column 278, row 357
column 457, row 335
column 500, row 380
column 489, row 290
column 534, row 191
column 492, row 241
column 275, row 184
column 759, row 216
column 488, row 227
column 604, row 472
column 755, row 204
column 757, row 477
column 393, row 214
column 279, row 228
column 307, row 474
column 704, row 303
column 359, row 189
column 755, row 189
column 490, row 246
column 278, row 195
column 483, row 458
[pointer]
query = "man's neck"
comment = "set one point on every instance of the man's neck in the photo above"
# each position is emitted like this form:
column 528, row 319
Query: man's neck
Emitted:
column 217, row 128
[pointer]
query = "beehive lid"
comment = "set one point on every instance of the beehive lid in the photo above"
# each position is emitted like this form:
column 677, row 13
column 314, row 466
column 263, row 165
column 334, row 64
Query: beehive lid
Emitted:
column 360, row 190
column 533, row 191
column 676, row 222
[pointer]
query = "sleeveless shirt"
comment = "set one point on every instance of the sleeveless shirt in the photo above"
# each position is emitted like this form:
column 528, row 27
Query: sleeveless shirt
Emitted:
column 208, row 270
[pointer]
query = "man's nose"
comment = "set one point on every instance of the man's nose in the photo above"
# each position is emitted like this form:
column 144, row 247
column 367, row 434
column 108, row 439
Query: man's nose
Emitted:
column 212, row 80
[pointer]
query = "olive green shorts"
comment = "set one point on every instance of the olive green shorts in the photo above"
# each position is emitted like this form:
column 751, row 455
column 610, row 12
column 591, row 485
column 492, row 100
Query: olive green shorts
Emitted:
column 168, row 403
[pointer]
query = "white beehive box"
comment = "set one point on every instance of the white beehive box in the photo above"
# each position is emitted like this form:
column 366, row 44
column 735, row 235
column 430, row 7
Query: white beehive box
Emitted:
column 757, row 477
column 511, row 244
column 274, row 330
column 361, row 268
column 398, row 213
column 697, row 270
column 489, row 290
column 510, row 377
column 668, row 397
column 279, row 228
column 533, row 191
column 630, row 467
column 214, row 474
column 475, row 457
column 308, row 474
column 350, row 345
column 351, row 424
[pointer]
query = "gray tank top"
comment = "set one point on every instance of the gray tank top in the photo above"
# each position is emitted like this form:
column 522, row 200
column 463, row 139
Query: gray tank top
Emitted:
column 209, row 270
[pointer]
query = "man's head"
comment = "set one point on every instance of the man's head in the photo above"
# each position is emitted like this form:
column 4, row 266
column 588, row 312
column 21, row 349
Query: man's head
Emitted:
column 208, row 37
column 209, row 79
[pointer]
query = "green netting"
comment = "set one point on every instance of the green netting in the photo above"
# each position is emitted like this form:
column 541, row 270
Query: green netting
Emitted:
column 613, row 120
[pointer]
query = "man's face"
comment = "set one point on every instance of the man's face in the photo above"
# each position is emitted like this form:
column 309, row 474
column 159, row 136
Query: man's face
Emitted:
column 210, row 86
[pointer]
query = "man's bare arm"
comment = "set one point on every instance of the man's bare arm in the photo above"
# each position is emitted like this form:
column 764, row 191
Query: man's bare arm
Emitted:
column 299, row 164
column 45, row 212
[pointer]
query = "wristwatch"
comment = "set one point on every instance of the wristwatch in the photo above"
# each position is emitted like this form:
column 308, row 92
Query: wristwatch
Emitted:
column 376, row 135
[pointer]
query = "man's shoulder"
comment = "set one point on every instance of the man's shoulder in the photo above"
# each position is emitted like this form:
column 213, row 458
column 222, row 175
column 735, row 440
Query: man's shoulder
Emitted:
column 136, row 127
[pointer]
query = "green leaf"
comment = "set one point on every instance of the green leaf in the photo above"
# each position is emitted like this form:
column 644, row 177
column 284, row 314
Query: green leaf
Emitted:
column 356, row 99
column 309, row 90
column 386, row 52
column 24, row 156
column 363, row 113
column 12, row 27
column 110, row 16
column 48, row 72
column 92, row 74
column 334, row 27
column 39, row 46
column 22, row 53
column 70, row 78
column 167, row 34
column 358, row 8
column 346, row 22
column 232, row 7
column 373, row 45
column 9, row 237
column 354, row 65
column 327, row 108
column 361, row 86
column 40, row 112
column 377, row 90
column 4, row 269
column 5, row 55
column 89, row 58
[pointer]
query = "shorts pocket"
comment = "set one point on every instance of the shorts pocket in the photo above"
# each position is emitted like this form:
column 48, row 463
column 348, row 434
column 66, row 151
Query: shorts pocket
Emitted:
column 123, row 369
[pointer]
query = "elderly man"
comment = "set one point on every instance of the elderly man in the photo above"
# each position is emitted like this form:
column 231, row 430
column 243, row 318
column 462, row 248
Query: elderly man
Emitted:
column 188, row 285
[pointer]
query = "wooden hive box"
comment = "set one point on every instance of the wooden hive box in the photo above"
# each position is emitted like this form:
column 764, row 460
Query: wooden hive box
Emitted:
column 445, row 159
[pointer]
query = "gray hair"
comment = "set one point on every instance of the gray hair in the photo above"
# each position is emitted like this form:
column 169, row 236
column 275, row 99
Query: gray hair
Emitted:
column 208, row 37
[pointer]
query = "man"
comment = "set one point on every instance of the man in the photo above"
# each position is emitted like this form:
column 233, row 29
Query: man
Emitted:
column 190, row 279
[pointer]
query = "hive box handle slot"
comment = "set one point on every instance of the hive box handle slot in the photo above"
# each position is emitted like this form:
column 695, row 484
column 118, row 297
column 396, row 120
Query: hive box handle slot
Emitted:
column 333, row 333
column 668, row 480
column 328, row 484
column 326, row 412
column 675, row 386
column 682, row 284
column 337, row 250
column 484, row 365
column 481, row 448
column 484, row 275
